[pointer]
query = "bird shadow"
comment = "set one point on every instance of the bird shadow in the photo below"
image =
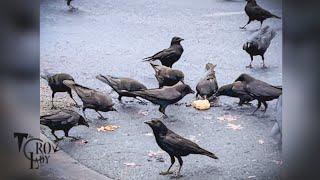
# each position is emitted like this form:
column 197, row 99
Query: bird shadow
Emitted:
column 202, row 172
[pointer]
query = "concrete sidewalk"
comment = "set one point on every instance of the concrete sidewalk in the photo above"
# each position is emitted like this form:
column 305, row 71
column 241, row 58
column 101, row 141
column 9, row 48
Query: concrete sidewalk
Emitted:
column 62, row 166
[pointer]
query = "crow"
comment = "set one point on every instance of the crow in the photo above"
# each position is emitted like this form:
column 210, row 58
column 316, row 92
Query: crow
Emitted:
column 167, row 76
column 208, row 85
column 69, row 4
column 62, row 120
column 170, row 55
column 175, row 145
column 235, row 89
column 259, row 43
column 259, row 90
column 165, row 96
column 122, row 85
column 92, row 99
column 255, row 12
column 55, row 81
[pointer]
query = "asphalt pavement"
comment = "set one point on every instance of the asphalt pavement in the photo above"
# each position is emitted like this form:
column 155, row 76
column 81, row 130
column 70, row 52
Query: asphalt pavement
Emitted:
column 112, row 37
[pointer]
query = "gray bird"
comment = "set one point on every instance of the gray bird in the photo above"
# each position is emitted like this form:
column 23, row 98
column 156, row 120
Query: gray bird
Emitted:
column 55, row 81
column 122, row 85
column 208, row 85
column 235, row 89
column 167, row 76
column 91, row 99
column 170, row 55
column 175, row 145
column 259, row 90
column 258, row 44
column 255, row 12
column 165, row 96
column 63, row 120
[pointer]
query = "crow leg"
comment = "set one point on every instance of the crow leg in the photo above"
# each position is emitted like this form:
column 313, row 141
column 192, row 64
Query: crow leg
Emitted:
column 163, row 111
column 83, row 111
column 57, row 139
column 52, row 97
column 265, row 106
column 241, row 102
column 168, row 171
column 197, row 95
column 261, row 24
column 119, row 98
column 100, row 115
column 70, row 94
column 263, row 66
column 259, row 105
column 250, row 65
column 180, row 162
column 246, row 24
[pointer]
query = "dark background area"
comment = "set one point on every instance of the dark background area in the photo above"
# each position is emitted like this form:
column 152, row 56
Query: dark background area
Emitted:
column 20, row 85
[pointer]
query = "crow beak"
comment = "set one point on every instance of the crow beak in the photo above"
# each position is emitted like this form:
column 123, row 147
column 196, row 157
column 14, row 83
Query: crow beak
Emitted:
column 147, row 122
column 181, row 39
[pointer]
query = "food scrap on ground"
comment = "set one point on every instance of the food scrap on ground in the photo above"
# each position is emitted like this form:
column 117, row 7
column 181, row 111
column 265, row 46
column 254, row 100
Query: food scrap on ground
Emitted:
column 201, row 104
column 108, row 128
column 234, row 126
column 227, row 118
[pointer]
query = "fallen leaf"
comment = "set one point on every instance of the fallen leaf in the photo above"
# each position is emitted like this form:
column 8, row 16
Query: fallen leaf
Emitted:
column 227, row 118
column 234, row 126
column 108, row 128
column 261, row 141
column 144, row 113
column 131, row 164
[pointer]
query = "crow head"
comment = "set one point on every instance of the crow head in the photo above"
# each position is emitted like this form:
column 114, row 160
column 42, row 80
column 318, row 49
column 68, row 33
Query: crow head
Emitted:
column 244, row 78
column 223, row 90
column 176, row 40
column 187, row 89
column 157, row 126
column 82, row 121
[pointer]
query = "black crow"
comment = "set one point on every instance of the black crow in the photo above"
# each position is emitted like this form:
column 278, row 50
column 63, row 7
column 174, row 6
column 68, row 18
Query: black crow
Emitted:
column 259, row 43
column 63, row 120
column 167, row 76
column 175, row 145
column 165, row 96
column 255, row 12
column 170, row 55
column 235, row 89
column 55, row 81
column 208, row 85
column 92, row 99
column 259, row 90
column 122, row 85
column 69, row 4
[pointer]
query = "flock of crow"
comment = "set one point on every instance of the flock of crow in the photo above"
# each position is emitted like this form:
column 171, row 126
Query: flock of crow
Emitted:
column 171, row 90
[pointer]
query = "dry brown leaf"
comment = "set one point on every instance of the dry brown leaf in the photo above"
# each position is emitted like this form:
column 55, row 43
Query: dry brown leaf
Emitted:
column 108, row 128
column 234, row 126
column 201, row 104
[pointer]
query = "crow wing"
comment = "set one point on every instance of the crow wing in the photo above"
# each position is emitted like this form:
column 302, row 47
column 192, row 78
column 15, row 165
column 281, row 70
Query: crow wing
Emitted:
column 262, row 89
column 180, row 145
